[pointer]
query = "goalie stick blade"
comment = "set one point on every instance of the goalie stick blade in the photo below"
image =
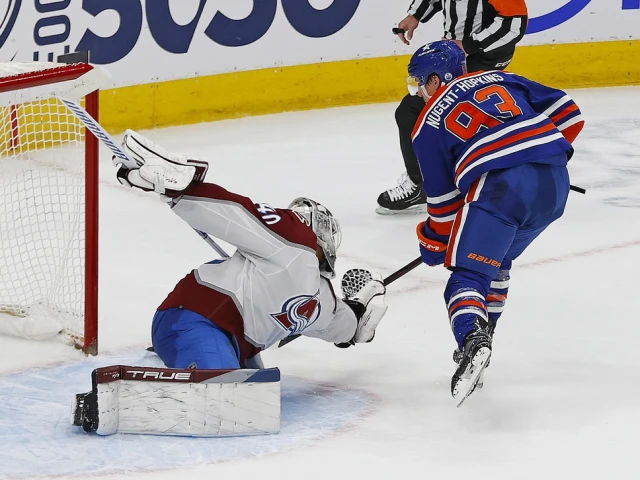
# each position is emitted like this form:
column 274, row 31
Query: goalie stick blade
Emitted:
column 465, row 385
column 290, row 338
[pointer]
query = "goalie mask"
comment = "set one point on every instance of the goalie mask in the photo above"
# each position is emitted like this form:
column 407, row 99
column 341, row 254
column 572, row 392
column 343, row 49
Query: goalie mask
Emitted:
column 326, row 228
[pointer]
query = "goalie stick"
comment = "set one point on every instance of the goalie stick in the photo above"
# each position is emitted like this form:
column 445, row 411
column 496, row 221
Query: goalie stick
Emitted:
column 387, row 281
column 101, row 134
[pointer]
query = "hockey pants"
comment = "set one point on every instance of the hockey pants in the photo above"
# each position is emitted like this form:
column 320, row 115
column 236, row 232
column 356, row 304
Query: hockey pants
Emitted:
column 185, row 339
column 504, row 212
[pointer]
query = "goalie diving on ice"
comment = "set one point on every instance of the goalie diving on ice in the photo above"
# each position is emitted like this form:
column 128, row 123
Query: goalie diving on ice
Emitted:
column 211, row 328
column 276, row 284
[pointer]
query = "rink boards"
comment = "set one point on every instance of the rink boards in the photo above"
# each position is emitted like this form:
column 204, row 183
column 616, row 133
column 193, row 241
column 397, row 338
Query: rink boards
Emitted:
column 343, row 83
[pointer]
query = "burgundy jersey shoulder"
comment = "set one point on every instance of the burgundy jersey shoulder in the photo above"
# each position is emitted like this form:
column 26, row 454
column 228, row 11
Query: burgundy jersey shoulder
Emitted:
column 282, row 222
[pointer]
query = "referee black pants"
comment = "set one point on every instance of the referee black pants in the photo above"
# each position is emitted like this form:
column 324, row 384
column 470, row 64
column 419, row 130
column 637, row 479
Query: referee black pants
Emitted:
column 410, row 107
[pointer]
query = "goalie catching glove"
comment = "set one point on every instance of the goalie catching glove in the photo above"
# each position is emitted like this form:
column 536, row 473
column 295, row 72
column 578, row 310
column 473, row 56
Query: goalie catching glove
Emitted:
column 153, row 168
column 364, row 293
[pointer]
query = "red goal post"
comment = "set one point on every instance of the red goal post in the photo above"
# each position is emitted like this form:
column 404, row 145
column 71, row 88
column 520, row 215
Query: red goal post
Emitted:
column 49, row 224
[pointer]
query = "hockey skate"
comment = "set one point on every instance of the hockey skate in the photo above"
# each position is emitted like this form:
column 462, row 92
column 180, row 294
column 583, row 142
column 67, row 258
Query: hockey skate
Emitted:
column 405, row 198
column 457, row 358
column 472, row 362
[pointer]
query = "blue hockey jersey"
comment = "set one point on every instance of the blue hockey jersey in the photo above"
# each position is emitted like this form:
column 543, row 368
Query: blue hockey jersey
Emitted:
column 487, row 121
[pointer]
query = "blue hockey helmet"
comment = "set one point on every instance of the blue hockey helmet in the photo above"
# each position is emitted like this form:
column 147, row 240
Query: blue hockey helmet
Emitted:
column 443, row 58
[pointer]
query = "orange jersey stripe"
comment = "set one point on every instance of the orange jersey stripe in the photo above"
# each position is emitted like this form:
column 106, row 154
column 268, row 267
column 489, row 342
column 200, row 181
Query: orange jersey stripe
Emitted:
column 497, row 145
column 454, row 234
column 472, row 191
column 564, row 113
column 510, row 8
column 571, row 133
column 441, row 228
column 467, row 303
column 494, row 297
column 448, row 209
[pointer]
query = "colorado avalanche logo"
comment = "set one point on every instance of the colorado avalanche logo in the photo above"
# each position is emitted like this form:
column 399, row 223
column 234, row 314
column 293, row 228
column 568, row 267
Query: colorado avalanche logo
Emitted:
column 299, row 312
column 8, row 14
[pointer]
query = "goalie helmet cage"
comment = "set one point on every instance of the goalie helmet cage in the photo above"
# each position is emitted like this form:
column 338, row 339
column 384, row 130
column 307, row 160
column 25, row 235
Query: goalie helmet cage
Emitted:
column 49, row 188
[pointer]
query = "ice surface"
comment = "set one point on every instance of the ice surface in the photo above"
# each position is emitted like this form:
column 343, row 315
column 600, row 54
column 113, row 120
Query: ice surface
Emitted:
column 562, row 396
column 38, row 438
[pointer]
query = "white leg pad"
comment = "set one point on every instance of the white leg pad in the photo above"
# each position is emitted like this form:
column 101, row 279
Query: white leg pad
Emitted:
column 199, row 403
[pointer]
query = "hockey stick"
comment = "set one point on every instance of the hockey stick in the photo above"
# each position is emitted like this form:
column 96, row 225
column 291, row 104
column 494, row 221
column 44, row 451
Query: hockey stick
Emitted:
column 400, row 273
column 102, row 135
column 387, row 281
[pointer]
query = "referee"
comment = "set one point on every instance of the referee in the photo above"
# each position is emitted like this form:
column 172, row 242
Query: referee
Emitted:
column 488, row 31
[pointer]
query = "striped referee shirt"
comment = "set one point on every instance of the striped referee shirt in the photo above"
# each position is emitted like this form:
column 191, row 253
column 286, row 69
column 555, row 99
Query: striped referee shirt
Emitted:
column 491, row 26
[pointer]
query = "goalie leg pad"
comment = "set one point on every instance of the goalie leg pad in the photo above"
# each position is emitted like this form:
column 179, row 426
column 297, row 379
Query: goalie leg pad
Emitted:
column 198, row 403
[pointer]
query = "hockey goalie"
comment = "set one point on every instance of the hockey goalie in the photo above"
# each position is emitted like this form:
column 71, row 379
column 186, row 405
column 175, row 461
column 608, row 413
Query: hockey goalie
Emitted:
column 211, row 328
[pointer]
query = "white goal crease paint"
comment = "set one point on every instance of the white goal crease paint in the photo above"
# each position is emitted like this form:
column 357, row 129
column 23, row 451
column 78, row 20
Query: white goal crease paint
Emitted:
column 39, row 441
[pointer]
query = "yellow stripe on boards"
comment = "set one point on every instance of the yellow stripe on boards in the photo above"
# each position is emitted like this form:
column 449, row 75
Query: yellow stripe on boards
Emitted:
column 350, row 82
column 580, row 65
column 254, row 92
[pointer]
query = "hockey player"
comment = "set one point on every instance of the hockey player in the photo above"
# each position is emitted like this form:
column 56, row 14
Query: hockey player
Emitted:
column 488, row 31
column 494, row 148
column 277, row 283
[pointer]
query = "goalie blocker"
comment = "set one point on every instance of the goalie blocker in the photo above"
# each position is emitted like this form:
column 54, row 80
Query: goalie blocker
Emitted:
column 166, row 401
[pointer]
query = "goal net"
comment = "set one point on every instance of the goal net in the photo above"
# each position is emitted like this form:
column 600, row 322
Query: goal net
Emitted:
column 48, row 203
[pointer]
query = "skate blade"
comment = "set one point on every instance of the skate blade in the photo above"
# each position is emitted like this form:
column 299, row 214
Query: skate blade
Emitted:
column 468, row 381
column 414, row 210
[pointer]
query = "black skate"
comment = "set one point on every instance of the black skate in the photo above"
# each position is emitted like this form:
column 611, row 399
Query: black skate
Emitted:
column 473, row 360
column 405, row 198
column 85, row 411
column 457, row 358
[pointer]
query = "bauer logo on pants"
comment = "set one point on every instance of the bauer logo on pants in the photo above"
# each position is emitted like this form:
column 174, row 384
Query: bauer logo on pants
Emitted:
column 299, row 312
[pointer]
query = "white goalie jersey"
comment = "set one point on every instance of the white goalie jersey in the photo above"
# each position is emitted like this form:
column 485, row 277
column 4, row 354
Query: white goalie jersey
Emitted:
column 271, row 287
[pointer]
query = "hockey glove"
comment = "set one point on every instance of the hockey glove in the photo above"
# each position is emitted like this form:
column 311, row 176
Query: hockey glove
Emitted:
column 160, row 170
column 368, row 306
column 433, row 247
